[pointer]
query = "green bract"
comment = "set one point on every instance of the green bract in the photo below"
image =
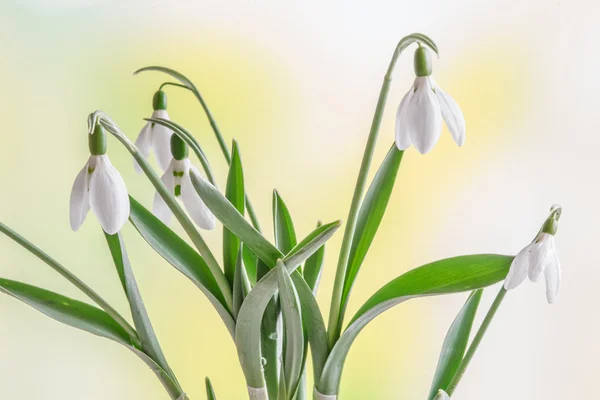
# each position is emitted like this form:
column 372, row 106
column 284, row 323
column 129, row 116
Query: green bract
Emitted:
column 264, row 290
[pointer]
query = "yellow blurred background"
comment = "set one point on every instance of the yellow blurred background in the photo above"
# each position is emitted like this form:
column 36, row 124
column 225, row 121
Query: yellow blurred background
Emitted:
column 296, row 84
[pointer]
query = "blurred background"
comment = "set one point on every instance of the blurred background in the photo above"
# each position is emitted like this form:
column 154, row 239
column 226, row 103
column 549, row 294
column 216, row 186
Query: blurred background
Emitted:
column 296, row 84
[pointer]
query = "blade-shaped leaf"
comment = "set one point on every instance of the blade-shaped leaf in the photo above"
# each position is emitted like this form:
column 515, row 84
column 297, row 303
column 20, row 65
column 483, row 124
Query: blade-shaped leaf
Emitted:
column 210, row 392
column 283, row 226
column 294, row 334
column 68, row 311
column 369, row 217
column 313, row 268
column 241, row 285
column 140, row 316
column 234, row 192
column 250, row 263
column 271, row 345
column 455, row 344
column 260, row 246
column 180, row 255
column 451, row 275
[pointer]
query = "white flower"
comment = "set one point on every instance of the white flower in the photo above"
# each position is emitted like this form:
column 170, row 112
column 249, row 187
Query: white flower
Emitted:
column 156, row 137
column 441, row 395
column 420, row 113
column 177, row 179
column 99, row 186
column 419, row 116
column 536, row 258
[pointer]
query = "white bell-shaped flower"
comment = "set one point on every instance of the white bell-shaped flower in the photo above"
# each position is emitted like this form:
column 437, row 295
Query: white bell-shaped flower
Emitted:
column 419, row 116
column 154, row 136
column 99, row 186
column 441, row 395
column 177, row 179
column 539, row 257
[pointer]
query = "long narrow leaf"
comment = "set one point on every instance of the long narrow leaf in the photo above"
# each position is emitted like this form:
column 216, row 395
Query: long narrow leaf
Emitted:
column 455, row 344
column 68, row 311
column 313, row 268
column 234, row 192
column 283, row 226
column 271, row 344
column 181, row 256
column 294, row 334
column 138, row 309
column 250, row 263
column 241, row 285
column 210, row 392
column 369, row 217
column 260, row 246
column 451, row 275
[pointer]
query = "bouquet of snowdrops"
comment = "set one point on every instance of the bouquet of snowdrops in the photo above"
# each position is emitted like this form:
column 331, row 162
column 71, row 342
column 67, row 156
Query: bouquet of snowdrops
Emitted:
column 264, row 290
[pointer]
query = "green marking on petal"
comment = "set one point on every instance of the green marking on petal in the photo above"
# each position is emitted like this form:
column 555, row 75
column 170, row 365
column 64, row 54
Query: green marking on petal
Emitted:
column 177, row 190
column 90, row 170
column 178, row 174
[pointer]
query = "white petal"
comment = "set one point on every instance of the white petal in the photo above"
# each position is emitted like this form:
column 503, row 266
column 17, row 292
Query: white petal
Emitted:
column 161, row 141
column 143, row 143
column 108, row 196
column 452, row 114
column 201, row 215
column 79, row 204
column 160, row 208
column 553, row 277
column 403, row 141
column 424, row 118
column 441, row 395
column 539, row 255
column 518, row 269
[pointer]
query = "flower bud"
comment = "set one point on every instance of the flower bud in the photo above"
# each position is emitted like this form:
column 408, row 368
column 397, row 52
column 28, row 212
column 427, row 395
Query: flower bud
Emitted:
column 159, row 102
column 179, row 149
column 97, row 141
column 422, row 62
column 551, row 224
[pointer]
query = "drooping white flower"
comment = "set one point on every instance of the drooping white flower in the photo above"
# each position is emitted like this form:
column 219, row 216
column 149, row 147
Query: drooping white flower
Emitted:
column 99, row 186
column 539, row 257
column 154, row 136
column 441, row 395
column 177, row 179
column 420, row 113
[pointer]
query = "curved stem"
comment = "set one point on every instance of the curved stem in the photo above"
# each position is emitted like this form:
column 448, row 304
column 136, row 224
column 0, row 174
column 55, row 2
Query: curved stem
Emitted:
column 476, row 341
column 68, row 275
column 172, row 84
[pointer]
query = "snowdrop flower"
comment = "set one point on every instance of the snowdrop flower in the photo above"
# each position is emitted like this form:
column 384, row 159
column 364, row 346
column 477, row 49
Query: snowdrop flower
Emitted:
column 539, row 257
column 419, row 116
column 177, row 179
column 99, row 186
column 441, row 395
column 154, row 136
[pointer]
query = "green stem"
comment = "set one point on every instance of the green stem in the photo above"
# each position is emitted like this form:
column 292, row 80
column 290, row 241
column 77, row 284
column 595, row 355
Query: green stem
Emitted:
column 335, row 315
column 172, row 84
column 68, row 275
column 476, row 341
column 172, row 203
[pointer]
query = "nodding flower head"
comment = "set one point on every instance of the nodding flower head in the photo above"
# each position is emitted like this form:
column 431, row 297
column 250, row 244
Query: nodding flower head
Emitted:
column 99, row 186
column 539, row 257
column 419, row 116
column 154, row 136
column 177, row 179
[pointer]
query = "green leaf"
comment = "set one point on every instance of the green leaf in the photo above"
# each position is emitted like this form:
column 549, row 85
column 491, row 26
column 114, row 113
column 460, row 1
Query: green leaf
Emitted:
column 241, row 285
column 293, row 355
column 283, row 226
column 210, row 393
column 250, row 263
column 455, row 344
column 68, row 311
column 451, row 275
column 313, row 268
column 236, row 223
column 140, row 316
column 234, row 192
column 270, row 341
column 370, row 215
column 180, row 255
column 248, row 329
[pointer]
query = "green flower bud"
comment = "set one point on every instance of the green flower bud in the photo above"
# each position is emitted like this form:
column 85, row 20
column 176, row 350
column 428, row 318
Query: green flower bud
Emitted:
column 159, row 102
column 551, row 224
column 422, row 62
column 179, row 149
column 97, row 141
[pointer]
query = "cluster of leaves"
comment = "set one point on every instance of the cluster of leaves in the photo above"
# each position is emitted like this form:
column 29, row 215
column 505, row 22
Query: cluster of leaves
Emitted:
column 265, row 291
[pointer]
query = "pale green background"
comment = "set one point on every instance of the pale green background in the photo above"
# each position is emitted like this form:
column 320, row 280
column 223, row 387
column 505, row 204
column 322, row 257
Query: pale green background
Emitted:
column 296, row 84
